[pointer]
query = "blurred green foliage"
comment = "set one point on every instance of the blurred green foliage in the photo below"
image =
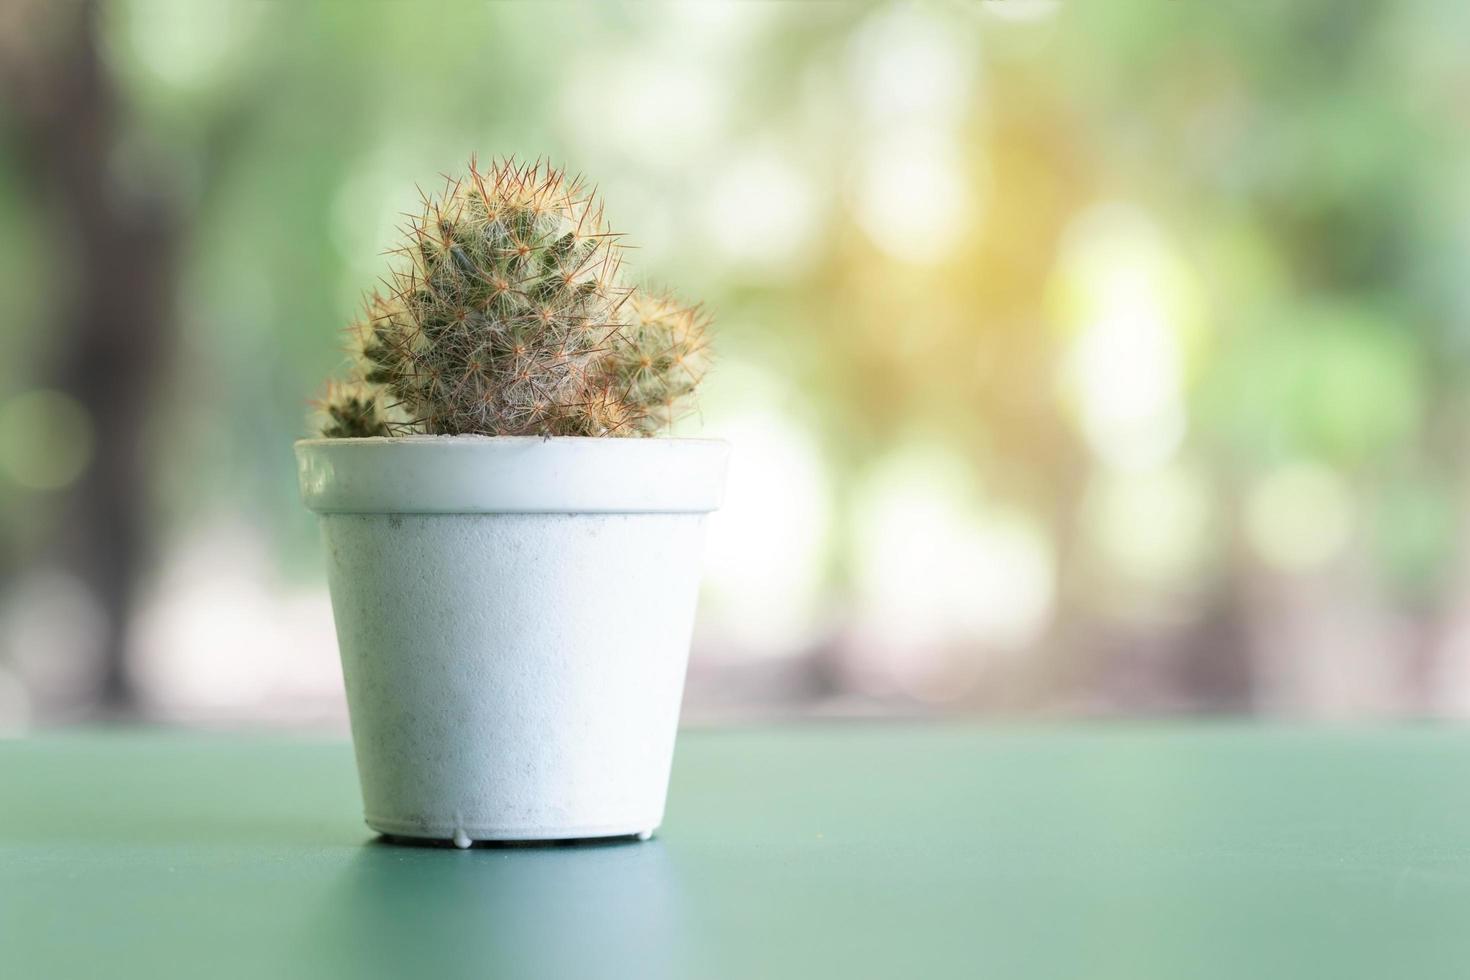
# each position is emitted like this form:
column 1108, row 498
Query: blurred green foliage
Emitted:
column 1069, row 244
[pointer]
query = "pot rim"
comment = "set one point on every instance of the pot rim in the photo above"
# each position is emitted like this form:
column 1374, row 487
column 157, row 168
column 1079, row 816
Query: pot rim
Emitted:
column 475, row 474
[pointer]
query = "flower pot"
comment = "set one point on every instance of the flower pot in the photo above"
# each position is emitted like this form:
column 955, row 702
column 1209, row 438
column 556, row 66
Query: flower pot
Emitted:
column 514, row 618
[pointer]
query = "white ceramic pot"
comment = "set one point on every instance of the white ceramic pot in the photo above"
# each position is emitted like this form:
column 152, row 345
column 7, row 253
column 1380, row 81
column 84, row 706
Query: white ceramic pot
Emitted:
column 514, row 618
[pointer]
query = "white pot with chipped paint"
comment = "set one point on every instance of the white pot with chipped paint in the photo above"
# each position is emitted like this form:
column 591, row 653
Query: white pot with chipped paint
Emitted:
column 514, row 617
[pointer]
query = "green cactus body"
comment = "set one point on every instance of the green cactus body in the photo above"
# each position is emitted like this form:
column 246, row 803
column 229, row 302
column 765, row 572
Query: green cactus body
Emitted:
column 658, row 360
column 353, row 412
column 507, row 317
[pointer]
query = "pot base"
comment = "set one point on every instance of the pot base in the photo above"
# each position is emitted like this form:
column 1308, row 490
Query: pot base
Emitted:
column 464, row 837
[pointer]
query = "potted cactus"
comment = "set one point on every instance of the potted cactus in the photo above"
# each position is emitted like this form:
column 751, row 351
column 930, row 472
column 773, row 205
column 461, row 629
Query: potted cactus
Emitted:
column 513, row 566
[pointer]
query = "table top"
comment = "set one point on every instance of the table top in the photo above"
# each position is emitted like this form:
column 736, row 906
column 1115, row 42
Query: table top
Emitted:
column 856, row 851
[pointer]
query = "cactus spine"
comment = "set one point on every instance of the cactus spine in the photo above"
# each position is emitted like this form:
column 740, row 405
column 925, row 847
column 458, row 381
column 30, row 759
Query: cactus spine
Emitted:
column 508, row 314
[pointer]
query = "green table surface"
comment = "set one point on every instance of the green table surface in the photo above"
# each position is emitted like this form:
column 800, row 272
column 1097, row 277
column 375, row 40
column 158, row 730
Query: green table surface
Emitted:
column 890, row 851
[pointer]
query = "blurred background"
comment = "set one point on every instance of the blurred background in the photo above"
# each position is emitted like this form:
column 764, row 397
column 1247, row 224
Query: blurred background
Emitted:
column 1080, row 359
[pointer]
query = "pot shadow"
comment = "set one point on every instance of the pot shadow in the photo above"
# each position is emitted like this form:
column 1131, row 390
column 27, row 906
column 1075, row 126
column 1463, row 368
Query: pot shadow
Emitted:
column 433, row 843
column 563, row 909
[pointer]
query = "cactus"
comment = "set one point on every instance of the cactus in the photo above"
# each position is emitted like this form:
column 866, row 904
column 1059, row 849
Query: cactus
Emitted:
column 657, row 360
column 506, row 316
column 352, row 412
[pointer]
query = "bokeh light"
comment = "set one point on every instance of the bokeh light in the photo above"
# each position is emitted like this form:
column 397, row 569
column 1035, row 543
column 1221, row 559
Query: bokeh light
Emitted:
column 45, row 439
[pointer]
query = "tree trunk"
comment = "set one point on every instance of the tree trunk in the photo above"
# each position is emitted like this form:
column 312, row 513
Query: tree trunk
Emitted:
column 115, row 248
